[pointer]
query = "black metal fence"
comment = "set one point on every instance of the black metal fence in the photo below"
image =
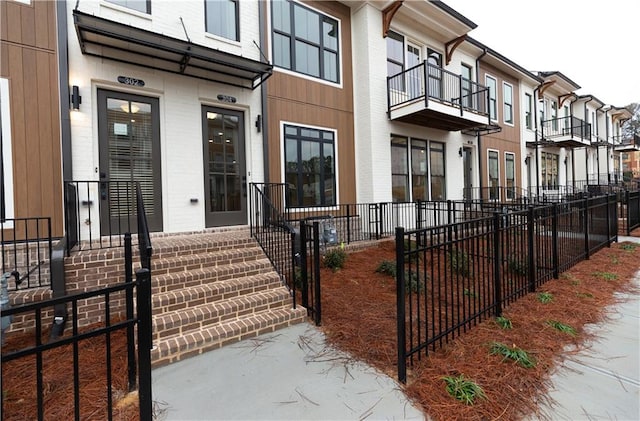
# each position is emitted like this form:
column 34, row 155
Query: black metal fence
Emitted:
column 26, row 247
column 451, row 277
column 309, row 271
column 630, row 210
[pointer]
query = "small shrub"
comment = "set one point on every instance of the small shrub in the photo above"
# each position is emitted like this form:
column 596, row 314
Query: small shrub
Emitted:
column 561, row 327
column 459, row 262
column 545, row 297
column 584, row 295
column 615, row 260
column 469, row 293
column 387, row 267
column 412, row 282
column 607, row 276
column 464, row 390
column 334, row 259
column 504, row 322
column 516, row 354
column 629, row 247
column 518, row 266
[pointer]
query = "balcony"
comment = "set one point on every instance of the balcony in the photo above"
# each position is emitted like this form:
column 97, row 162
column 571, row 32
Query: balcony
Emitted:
column 446, row 102
column 568, row 132
column 627, row 143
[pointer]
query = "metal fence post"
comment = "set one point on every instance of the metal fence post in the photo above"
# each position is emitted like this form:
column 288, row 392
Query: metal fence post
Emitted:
column 348, row 224
column 128, row 277
column 554, row 242
column 586, row 229
column 303, row 264
column 316, row 273
column 143, row 280
column 400, row 306
column 628, row 202
column 294, row 255
column 531, row 263
column 497, row 288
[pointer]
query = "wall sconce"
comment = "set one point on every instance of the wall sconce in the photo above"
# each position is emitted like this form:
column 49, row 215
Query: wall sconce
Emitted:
column 526, row 160
column 259, row 123
column 76, row 99
column 460, row 151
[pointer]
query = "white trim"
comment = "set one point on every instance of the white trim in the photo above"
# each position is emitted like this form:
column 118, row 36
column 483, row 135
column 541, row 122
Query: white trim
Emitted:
column 302, row 75
column 514, row 173
column 513, row 106
column 27, row 2
column 5, row 113
column 489, row 172
column 336, row 161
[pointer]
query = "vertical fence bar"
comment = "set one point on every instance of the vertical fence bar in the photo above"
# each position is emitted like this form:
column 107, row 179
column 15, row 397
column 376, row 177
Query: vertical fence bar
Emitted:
column 128, row 278
column 554, row 241
column 400, row 306
column 304, row 259
column 531, row 246
column 294, row 255
column 39, row 379
column 143, row 280
column 316, row 274
column 628, row 202
column 586, row 229
column 497, row 288
column 348, row 224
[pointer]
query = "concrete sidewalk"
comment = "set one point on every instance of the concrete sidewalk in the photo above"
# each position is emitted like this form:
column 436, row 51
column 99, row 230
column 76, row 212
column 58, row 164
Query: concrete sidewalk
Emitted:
column 290, row 374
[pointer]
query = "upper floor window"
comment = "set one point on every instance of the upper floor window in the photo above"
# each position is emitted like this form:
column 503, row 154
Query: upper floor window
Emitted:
column 222, row 18
column 554, row 115
column 507, row 94
column 528, row 111
column 395, row 53
column 6, row 160
column 310, row 165
column 305, row 41
column 493, row 97
column 465, row 72
column 142, row 6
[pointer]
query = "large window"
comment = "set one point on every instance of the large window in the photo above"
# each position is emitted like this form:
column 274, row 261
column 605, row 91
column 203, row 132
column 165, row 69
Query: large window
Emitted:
column 549, row 169
column 507, row 97
column 510, row 174
column 305, row 41
column 143, row 6
column 395, row 54
column 222, row 18
column 310, row 166
column 493, row 97
column 6, row 164
column 528, row 111
column 494, row 175
column 417, row 170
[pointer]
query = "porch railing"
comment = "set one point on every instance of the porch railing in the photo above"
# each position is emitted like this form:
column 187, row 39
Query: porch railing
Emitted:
column 26, row 247
column 441, row 85
column 566, row 126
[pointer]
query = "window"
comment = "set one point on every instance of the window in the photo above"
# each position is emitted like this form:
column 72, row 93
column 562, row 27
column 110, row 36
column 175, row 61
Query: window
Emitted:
column 465, row 72
column 426, row 181
column 493, row 99
column 567, row 120
column 222, row 18
column 507, row 94
column 549, row 167
column 6, row 162
column 494, row 174
column 310, row 163
column 554, row 116
column 434, row 62
column 510, row 174
column 305, row 41
column 395, row 58
column 143, row 6
column 528, row 111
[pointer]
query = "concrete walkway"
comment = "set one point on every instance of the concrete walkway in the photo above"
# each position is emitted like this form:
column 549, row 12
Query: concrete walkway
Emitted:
column 293, row 375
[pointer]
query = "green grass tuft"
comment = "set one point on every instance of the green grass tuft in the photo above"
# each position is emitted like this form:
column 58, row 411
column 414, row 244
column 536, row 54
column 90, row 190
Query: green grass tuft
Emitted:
column 464, row 390
column 607, row 276
column 561, row 327
column 518, row 355
column 545, row 297
column 504, row 322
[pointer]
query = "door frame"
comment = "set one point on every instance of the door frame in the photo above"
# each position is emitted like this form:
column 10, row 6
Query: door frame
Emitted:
column 225, row 218
column 110, row 225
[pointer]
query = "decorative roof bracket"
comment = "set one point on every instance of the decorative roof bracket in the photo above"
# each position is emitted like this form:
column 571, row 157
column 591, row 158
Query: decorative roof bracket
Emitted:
column 544, row 86
column 387, row 16
column 454, row 43
column 563, row 98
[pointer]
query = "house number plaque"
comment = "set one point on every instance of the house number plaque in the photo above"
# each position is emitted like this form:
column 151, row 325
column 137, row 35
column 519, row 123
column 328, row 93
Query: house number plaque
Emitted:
column 126, row 80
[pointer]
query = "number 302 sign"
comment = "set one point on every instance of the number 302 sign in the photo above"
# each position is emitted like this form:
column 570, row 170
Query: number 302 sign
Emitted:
column 130, row 81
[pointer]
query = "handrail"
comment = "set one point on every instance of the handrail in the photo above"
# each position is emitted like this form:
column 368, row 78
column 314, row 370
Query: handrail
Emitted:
column 144, row 240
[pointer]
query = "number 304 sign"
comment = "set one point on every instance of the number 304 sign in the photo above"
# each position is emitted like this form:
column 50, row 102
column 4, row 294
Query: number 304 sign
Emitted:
column 130, row 81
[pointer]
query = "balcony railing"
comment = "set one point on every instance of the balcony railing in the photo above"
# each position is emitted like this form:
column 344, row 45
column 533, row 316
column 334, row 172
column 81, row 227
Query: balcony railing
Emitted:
column 428, row 84
column 627, row 143
column 567, row 131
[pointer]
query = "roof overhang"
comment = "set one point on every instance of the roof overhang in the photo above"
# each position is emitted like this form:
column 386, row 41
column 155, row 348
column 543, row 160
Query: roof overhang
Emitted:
column 112, row 40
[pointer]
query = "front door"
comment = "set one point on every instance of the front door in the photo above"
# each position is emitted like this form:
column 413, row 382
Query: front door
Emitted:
column 225, row 180
column 129, row 137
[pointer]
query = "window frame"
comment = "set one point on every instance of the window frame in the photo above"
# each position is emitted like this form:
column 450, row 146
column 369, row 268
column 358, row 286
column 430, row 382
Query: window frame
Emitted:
column 494, row 194
column 237, row 20
column 507, row 105
column 493, row 99
column 510, row 189
column 321, row 46
column 546, row 159
column 430, row 147
column 466, row 85
column 6, row 155
column 123, row 4
column 528, row 111
column 321, row 141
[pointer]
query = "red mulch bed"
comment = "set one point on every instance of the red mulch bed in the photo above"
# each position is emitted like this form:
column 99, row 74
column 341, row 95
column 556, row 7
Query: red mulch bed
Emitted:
column 358, row 316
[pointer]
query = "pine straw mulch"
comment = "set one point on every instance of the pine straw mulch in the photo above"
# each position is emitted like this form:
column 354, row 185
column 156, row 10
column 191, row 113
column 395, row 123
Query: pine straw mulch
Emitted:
column 358, row 316
column 19, row 381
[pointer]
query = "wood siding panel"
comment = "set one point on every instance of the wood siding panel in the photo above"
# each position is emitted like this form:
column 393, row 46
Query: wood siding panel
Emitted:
column 14, row 30
column 3, row 20
column 28, row 26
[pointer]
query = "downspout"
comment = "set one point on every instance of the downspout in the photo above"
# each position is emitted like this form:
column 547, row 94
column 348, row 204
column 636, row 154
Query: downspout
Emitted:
column 606, row 134
column 535, row 131
column 58, row 283
column 586, row 148
column 598, row 142
column 573, row 150
column 262, row 17
column 479, row 136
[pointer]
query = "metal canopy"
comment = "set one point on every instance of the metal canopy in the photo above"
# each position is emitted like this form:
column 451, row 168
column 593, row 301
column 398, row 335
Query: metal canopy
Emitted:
column 112, row 40
column 483, row 130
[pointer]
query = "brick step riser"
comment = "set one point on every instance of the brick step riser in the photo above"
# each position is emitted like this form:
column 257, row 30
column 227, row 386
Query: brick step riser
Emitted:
column 181, row 347
column 203, row 261
column 176, row 300
column 195, row 319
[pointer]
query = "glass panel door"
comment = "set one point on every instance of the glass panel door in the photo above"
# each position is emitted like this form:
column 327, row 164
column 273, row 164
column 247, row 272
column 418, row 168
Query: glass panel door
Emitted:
column 224, row 167
column 129, row 153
